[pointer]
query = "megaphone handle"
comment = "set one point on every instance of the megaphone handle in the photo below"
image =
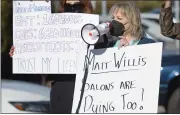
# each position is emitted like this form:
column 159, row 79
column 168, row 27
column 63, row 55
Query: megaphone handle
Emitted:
column 105, row 39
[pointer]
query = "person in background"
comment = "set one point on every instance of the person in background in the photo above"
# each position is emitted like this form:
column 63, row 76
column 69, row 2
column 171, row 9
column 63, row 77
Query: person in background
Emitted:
column 76, row 6
column 168, row 27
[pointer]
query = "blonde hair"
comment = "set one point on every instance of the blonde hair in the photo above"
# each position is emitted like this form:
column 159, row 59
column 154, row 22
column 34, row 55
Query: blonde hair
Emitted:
column 132, row 12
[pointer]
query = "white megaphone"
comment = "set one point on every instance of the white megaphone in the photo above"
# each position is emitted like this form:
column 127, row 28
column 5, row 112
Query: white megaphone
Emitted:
column 91, row 33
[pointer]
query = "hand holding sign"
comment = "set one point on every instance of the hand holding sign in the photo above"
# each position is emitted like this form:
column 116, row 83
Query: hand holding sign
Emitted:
column 11, row 52
column 123, row 42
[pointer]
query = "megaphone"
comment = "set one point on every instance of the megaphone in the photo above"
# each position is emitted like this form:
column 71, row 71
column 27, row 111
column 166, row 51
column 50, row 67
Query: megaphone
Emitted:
column 91, row 33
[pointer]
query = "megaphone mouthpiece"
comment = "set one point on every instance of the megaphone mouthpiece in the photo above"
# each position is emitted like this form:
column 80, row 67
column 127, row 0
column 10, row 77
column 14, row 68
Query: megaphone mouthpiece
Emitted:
column 90, row 34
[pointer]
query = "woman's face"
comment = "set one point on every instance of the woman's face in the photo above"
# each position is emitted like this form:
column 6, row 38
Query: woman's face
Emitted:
column 120, row 17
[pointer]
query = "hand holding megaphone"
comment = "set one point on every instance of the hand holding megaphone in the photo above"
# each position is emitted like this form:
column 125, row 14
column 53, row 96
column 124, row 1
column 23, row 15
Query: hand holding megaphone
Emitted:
column 91, row 33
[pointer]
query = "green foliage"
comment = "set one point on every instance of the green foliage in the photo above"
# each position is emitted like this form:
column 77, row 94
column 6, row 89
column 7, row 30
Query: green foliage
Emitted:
column 146, row 6
column 6, row 25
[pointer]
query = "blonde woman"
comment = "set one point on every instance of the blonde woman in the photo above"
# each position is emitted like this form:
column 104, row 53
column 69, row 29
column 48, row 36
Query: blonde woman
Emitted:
column 127, row 13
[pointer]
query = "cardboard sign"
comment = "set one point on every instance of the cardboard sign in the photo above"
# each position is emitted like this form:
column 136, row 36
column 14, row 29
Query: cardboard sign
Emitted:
column 45, row 42
column 120, row 81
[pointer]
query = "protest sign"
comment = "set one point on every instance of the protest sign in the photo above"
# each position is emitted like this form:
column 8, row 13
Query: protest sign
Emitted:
column 46, row 42
column 120, row 81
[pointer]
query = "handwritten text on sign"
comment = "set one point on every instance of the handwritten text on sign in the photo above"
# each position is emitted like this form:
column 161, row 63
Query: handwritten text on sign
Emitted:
column 45, row 42
column 126, row 81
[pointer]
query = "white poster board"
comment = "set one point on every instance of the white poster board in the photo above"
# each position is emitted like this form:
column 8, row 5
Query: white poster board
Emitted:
column 45, row 42
column 121, row 81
